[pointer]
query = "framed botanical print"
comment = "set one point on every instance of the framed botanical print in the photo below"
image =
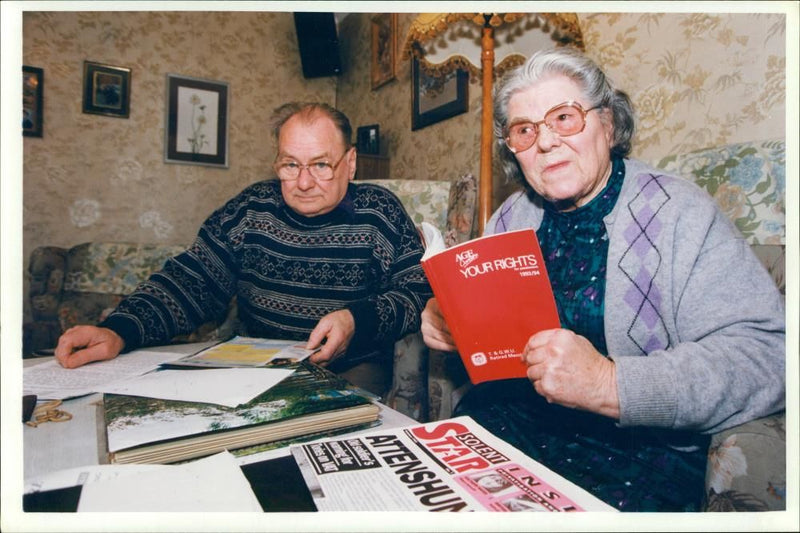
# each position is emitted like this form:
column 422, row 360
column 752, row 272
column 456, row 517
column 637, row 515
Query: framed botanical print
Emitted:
column 196, row 121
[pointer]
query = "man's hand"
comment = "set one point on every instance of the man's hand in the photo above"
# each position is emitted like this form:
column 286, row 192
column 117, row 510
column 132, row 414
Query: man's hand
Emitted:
column 566, row 369
column 337, row 330
column 83, row 344
column 435, row 332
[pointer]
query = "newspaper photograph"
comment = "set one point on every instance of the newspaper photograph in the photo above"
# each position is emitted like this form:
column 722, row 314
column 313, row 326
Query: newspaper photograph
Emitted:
column 450, row 465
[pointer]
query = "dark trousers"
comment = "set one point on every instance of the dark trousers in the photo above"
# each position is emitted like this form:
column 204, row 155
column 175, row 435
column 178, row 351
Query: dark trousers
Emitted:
column 631, row 469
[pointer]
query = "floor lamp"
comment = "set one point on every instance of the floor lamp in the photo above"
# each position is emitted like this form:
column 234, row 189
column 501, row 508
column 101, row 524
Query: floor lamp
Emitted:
column 487, row 45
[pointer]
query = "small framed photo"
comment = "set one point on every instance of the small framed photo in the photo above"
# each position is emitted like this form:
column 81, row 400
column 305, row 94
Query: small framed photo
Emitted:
column 32, row 100
column 368, row 140
column 434, row 99
column 106, row 90
column 384, row 45
column 196, row 121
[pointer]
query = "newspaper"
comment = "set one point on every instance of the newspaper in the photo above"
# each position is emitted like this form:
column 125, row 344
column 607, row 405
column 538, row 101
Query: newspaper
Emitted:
column 449, row 465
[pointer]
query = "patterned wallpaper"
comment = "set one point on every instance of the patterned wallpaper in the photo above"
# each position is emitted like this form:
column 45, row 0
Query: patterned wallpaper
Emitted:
column 441, row 151
column 93, row 177
column 696, row 80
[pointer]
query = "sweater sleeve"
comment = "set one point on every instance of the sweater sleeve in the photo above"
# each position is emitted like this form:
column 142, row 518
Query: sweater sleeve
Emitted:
column 722, row 362
column 394, row 308
column 192, row 288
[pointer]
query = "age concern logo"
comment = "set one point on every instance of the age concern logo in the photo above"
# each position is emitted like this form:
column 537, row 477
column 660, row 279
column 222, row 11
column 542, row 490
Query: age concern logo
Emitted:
column 466, row 258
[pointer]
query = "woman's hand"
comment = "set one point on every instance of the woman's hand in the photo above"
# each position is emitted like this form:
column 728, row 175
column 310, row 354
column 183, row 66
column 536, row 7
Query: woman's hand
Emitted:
column 435, row 332
column 83, row 344
column 566, row 369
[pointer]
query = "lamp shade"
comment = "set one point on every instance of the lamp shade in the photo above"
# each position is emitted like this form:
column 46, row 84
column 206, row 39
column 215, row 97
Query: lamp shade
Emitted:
column 444, row 42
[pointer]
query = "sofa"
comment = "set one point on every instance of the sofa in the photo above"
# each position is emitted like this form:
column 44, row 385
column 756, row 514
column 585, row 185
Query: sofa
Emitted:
column 82, row 284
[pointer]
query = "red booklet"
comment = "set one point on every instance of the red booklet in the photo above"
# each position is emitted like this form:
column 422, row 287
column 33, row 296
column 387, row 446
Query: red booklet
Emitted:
column 494, row 294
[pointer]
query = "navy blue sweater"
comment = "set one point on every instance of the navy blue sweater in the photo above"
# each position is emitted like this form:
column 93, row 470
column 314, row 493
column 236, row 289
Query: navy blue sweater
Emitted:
column 287, row 271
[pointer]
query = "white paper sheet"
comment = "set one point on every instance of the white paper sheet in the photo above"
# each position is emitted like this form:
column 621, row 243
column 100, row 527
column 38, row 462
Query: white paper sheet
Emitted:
column 433, row 239
column 215, row 483
column 51, row 381
column 81, row 475
column 221, row 386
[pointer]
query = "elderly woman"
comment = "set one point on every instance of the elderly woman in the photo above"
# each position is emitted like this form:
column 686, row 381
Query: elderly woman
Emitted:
column 671, row 328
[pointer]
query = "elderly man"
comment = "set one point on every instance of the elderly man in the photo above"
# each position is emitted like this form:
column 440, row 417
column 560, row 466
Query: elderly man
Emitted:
column 310, row 256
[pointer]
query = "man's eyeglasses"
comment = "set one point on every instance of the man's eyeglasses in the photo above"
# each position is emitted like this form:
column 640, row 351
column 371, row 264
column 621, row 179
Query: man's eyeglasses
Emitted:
column 289, row 170
column 564, row 120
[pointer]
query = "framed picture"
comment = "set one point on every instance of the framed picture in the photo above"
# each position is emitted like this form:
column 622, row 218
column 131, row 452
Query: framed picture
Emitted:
column 197, row 121
column 368, row 139
column 384, row 44
column 106, row 90
column 435, row 99
column 32, row 98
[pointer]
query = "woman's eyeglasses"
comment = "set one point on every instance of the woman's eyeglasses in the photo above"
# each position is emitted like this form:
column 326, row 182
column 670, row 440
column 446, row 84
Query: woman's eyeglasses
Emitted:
column 564, row 120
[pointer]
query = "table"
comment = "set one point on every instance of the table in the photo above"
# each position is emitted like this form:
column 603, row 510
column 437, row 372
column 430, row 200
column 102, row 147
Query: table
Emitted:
column 81, row 441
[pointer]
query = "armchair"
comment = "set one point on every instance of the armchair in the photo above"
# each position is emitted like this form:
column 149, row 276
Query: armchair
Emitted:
column 82, row 284
column 747, row 464
column 419, row 381
column 746, row 468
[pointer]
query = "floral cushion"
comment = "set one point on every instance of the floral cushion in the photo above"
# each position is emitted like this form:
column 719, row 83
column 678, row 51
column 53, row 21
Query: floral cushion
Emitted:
column 450, row 206
column 81, row 285
column 773, row 257
column 409, row 391
column 447, row 383
column 99, row 275
column 461, row 215
column 746, row 468
column 46, row 267
column 114, row 268
column 424, row 200
column 748, row 180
